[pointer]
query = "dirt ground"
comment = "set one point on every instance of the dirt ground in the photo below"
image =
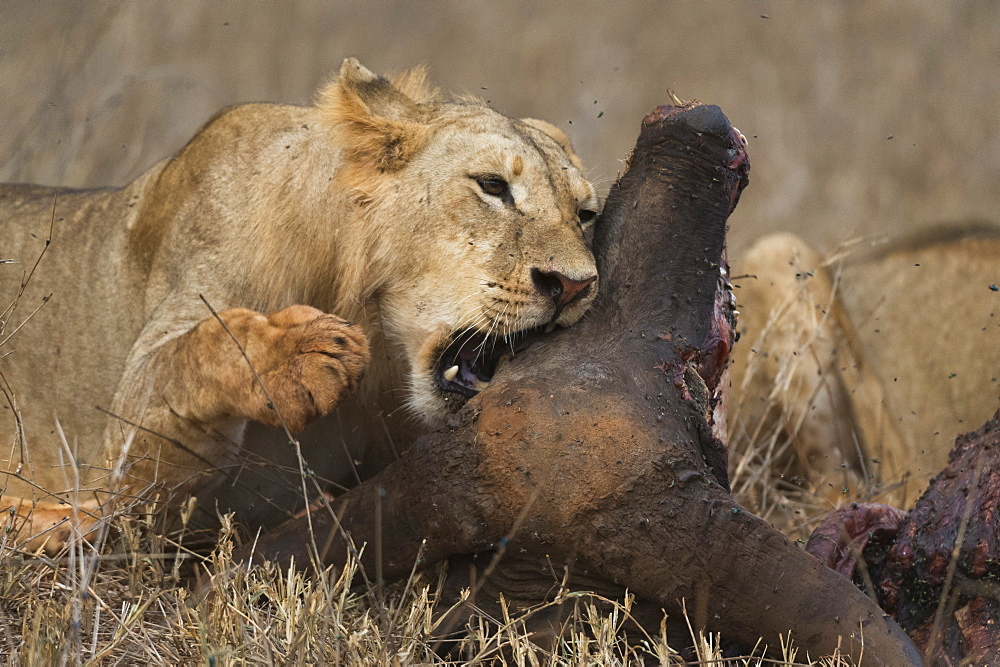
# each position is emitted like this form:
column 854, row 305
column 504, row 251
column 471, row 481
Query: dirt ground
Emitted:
column 864, row 118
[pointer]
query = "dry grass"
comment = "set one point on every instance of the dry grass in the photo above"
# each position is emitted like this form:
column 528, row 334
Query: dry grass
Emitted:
column 763, row 477
column 128, row 601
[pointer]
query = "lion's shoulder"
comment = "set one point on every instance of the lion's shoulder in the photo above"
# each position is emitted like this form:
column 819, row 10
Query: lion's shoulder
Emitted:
column 247, row 130
column 952, row 240
column 940, row 270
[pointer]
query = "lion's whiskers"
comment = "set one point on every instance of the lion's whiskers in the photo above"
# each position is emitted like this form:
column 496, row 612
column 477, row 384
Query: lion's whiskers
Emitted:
column 464, row 337
column 493, row 325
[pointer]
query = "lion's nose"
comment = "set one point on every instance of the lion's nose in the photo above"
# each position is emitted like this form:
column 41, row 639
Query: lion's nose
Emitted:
column 561, row 289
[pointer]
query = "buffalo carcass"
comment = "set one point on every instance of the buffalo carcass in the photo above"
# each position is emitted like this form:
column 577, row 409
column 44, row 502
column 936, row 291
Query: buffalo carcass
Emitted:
column 596, row 446
column 936, row 569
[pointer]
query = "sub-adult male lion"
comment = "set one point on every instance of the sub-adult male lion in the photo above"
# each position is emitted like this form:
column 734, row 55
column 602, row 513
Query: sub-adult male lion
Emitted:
column 438, row 227
column 869, row 366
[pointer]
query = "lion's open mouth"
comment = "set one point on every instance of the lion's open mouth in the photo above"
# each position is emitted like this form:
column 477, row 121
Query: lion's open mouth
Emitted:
column 470, row 359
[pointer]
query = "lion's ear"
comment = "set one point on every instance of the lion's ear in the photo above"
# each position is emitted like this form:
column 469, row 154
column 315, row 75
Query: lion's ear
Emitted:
column 558, row 135
column 379, row 124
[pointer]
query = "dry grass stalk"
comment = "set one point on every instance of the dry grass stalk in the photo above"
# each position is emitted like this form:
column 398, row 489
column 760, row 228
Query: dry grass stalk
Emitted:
column 125, row 599
column 759, row 455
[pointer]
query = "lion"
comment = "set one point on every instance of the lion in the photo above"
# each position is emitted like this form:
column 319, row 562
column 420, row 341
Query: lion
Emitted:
column 868, row 365
column 350, row 271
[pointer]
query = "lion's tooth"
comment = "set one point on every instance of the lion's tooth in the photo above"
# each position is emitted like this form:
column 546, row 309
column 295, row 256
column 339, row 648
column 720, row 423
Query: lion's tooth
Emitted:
column 480, row 385
column 450, row 374
column 550, row 327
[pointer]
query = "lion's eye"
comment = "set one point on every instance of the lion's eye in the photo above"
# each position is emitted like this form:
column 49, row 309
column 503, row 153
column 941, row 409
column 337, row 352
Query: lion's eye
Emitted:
column 587, row 216
column 493, row 185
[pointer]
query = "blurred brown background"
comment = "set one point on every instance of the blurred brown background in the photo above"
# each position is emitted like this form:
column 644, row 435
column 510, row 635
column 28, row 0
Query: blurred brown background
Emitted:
column 863, row 118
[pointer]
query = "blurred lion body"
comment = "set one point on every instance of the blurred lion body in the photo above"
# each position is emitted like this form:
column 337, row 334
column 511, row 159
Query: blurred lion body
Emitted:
column 366, row 205
column 872, row 366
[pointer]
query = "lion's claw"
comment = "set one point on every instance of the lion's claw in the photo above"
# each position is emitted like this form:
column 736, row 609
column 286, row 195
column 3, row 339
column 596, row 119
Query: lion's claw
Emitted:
column 313, row 358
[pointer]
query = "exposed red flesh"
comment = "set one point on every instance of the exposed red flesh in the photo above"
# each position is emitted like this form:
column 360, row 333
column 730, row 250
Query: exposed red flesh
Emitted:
column 944, row 591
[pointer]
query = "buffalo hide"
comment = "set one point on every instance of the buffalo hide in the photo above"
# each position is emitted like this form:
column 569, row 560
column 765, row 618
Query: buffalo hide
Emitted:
column 595, row 448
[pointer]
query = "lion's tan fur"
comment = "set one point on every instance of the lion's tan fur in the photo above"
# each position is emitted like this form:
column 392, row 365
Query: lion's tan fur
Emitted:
column 869, row 365
column 365, row 205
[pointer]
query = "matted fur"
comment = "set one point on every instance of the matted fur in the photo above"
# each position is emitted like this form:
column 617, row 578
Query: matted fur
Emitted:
column 364, row 206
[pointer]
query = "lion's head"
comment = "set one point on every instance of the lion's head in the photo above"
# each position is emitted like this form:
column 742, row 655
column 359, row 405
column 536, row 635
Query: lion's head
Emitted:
column 477, row 227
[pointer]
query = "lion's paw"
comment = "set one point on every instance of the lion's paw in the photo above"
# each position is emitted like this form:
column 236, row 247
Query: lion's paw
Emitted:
column 313, row 359
column 49, row 525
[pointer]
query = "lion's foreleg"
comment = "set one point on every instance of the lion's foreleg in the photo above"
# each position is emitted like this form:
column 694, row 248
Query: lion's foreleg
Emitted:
column 180, row 410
